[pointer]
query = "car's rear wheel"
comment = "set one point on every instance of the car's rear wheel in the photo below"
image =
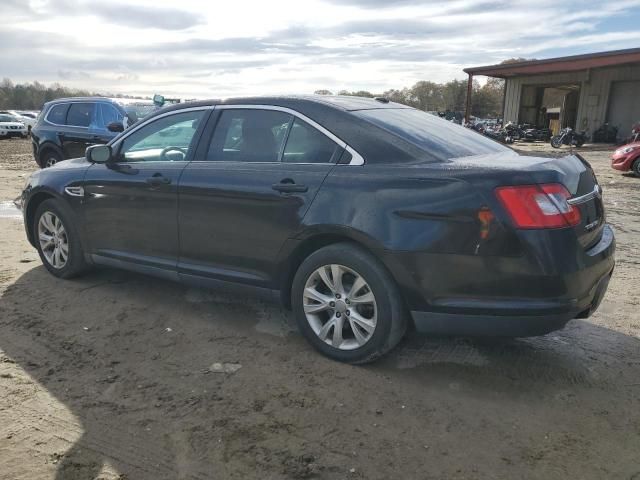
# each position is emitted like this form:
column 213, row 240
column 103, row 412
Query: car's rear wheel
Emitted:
column 347, row 305
column 636, row 167
column 50, row 158
column 57, row 240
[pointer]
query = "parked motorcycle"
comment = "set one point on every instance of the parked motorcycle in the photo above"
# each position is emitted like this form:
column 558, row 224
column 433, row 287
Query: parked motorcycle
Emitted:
column 568, row 136
column 500, row 134
column 514, row 131
column 537, row 134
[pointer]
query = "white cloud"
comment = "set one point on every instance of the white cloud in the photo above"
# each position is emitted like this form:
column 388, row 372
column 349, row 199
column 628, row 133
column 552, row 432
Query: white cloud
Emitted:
column 214, row 49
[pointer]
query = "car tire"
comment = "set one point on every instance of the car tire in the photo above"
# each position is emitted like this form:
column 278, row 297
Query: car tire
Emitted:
column 53, row 229
column 636, row 167
column 373, row 322
column 49, row 158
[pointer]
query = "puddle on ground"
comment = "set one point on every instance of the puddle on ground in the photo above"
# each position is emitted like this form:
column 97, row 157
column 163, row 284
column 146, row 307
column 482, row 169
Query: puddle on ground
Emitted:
column 9, row 210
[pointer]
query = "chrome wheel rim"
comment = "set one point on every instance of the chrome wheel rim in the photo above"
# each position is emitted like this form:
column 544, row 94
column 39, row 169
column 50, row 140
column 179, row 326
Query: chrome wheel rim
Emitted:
column 340, row 307
column 51, row 161
column 53, row 239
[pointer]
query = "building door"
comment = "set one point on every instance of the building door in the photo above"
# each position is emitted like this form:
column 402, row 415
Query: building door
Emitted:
column 624, row 106
column 529, row 105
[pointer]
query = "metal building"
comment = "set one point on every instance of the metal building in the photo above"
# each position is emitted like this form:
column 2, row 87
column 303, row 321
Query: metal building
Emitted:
column 589, row 90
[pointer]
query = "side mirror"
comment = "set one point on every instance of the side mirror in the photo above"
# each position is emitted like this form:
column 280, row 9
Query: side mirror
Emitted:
column 98, row 153
column 115, row 127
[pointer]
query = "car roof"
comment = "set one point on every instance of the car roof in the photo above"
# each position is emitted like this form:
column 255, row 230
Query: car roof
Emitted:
column 339, row 102
column 81, row 99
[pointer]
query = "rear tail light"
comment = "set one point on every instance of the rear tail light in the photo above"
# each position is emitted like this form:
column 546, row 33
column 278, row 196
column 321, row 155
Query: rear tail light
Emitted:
column 539, row 206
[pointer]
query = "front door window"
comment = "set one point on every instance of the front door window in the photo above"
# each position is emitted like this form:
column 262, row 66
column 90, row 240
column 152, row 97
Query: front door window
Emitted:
column 167, row 139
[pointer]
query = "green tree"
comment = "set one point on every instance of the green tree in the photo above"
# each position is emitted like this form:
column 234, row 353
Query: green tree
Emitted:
column 32, row 96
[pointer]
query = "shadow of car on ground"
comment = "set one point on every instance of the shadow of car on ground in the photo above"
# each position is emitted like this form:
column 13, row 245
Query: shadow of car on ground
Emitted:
column 130, row 358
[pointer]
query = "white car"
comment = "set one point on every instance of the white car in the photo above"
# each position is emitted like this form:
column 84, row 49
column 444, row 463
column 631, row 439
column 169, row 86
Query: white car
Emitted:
column 9, row 127
column 24, row 117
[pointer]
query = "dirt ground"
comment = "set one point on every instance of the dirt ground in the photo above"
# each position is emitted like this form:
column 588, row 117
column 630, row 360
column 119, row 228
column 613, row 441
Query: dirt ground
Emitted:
column 112, row 376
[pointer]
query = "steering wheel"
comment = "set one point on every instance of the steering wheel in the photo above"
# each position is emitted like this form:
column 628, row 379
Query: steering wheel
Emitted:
column 165, row 150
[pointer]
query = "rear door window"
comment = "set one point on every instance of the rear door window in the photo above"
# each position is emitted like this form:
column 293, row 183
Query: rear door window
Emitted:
column 58, row 114
column 307, row 144
column 81, row 114
column 255, row 136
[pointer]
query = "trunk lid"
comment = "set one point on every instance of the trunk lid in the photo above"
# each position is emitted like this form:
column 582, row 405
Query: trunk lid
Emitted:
column 572, row 171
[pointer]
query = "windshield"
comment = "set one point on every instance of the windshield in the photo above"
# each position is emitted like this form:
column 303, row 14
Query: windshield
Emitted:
column 441, row 139
column 7, row 118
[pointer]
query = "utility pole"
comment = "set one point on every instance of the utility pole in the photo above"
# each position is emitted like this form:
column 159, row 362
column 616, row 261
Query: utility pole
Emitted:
column 467, row 111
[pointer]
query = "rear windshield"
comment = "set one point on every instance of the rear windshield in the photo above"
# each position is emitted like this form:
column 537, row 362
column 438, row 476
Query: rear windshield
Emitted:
column 441, row 139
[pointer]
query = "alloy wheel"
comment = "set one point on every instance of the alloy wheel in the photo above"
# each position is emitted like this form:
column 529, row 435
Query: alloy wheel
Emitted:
column 51, row 161
column 340, row 307
column 53, row 239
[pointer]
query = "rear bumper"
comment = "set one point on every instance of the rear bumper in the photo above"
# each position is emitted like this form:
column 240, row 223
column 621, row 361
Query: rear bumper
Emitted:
column 522, row 319
column 517, row 296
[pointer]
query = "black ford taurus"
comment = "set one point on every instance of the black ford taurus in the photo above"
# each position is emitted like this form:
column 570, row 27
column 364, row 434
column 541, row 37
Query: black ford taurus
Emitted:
column 362, row 215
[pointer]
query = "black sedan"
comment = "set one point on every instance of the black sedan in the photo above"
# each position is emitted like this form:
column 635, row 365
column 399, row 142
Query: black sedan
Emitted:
column 362, row 215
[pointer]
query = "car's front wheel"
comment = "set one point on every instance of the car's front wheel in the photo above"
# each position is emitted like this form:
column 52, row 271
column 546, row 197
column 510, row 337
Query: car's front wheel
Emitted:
column 347, row 305
column 57, row 240
column 50, row 158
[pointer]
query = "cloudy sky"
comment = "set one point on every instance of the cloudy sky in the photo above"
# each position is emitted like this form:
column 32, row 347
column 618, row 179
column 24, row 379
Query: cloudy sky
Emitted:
column 216, row 48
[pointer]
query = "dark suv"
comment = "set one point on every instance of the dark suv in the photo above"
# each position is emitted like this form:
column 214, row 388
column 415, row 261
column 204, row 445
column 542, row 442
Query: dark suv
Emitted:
column 67, row 126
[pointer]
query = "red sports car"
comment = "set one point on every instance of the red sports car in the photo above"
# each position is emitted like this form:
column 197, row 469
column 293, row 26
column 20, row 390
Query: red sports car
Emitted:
column 627, row 158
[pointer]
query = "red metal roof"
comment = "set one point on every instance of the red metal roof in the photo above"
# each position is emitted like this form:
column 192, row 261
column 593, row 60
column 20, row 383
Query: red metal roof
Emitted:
column 560, row 64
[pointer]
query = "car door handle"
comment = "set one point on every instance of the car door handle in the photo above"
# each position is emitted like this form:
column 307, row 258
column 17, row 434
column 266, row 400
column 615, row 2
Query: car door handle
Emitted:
column 158, row 179
column 289, row 187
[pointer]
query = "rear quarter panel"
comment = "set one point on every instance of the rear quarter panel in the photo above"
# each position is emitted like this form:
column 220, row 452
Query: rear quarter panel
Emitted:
column 402, row 209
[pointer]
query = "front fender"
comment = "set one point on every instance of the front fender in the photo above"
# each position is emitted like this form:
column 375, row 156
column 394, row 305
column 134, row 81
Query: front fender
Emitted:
column 51, row 183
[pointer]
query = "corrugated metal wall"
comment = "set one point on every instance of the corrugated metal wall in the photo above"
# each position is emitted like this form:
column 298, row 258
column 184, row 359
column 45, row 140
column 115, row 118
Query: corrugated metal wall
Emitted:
column 594, row 92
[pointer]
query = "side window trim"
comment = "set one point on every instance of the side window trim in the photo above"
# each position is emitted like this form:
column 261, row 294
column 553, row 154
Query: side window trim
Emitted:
column 66, row 106
column 356, row 159
column 117, row 142
column 283, row 147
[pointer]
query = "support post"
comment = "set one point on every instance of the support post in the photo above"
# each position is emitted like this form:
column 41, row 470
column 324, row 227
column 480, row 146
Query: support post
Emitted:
column 467, row 111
